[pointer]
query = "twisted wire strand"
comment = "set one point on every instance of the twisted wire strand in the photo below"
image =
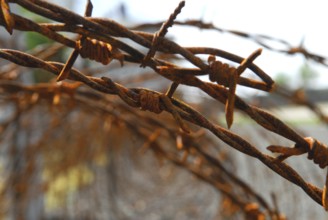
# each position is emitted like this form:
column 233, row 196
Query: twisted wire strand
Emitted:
column 265, row 41
column 95, row 50
column 160, row 103
column 190, row 115
column 150, row 101
column 319, row 154
column 220, row 72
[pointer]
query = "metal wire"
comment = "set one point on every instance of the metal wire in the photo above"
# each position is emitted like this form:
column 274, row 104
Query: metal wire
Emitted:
column 100, row 41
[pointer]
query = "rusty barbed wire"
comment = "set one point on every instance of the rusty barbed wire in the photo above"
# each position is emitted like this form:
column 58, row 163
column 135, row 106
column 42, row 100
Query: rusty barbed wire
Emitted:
column 188, row 141
column 261, row 39
column 131, row 97
column 102, row 35
column 66, row 69
column 6, row 16
column 161, row 33
column 228, row 77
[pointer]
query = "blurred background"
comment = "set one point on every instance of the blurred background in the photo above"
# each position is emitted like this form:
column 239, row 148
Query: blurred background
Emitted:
column 92, row 157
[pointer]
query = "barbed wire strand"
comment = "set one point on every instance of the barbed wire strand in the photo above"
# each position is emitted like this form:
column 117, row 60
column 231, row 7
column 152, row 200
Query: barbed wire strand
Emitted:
column 190, row 115
column 108, row 30
column 261, row 39
column 52, row 89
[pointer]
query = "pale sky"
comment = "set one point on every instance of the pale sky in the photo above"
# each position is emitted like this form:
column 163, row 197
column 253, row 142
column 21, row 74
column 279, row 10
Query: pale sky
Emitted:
column 289, row 20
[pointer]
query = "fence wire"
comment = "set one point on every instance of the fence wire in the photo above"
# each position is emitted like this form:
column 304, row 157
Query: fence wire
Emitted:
column 103, row 40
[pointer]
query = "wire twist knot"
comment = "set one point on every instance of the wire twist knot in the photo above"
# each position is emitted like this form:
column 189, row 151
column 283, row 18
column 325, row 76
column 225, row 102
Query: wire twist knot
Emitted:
column 318, row 152
column 150, row 101
column 95, row 50
column 220, row 72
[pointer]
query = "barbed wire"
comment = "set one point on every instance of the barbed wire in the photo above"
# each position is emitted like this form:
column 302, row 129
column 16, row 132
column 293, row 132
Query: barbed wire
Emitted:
column 193, row 158
column 261, row 39
column 99, row 40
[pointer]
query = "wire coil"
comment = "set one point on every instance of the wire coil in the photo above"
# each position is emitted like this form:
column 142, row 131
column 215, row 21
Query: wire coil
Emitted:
column 318, row 152
column 220, row 72
column 150, row 101
column 95, row 50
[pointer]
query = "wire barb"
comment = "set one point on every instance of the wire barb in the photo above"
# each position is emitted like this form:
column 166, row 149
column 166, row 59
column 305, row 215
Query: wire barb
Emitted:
column 6, row 17
column 317, row 151
column 161, row 33
column 228, row 76
column 72, row 58
column 172, row 89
